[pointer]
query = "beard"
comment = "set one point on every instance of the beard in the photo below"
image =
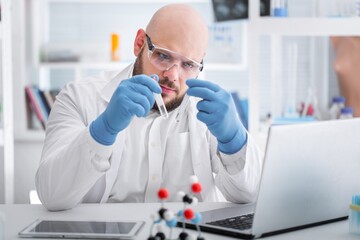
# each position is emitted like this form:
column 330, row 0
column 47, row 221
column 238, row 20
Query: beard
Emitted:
column 172, row 104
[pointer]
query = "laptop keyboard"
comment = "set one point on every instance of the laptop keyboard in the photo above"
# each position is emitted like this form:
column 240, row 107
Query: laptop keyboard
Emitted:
column 240, row 223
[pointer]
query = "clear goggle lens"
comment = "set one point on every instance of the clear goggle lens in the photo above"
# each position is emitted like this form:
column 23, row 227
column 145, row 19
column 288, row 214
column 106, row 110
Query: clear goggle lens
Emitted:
column 164, row 59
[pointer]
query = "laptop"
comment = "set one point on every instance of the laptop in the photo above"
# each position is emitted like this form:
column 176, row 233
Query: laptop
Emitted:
column 310, row 173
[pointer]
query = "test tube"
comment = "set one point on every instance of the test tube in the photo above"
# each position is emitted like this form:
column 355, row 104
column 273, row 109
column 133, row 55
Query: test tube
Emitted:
column 159, row 101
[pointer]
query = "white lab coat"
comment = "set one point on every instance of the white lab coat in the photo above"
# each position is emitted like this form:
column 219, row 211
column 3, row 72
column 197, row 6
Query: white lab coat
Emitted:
column 74, row 168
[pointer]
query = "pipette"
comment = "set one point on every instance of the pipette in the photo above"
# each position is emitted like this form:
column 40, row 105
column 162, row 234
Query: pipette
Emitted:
column 159, row 101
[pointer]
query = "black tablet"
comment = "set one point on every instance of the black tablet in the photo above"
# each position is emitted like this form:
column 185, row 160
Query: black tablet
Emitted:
column 42, row 228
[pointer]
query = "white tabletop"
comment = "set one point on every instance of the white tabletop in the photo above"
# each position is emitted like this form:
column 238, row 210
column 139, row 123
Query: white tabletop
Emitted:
column 18, row 216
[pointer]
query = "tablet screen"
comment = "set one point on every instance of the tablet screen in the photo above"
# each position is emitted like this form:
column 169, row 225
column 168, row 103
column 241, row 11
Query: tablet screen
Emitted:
column 84, row 227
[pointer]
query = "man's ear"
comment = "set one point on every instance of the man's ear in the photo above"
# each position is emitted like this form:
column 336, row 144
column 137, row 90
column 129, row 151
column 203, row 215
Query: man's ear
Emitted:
column 139, row 41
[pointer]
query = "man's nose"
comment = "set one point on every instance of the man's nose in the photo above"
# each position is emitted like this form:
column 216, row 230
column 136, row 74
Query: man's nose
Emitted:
column 173, row 72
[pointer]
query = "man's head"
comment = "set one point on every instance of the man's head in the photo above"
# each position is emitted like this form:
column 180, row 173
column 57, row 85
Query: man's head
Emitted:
column 173, row 47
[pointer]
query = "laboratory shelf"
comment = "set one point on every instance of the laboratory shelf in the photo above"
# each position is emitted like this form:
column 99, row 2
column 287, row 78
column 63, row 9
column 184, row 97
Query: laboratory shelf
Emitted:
column 307, row 26
column 209, row 66
column 84, row 65
column 128, row 1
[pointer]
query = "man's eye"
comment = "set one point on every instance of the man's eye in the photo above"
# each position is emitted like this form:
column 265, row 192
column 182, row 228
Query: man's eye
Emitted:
column 163, row 56
column 188, row 65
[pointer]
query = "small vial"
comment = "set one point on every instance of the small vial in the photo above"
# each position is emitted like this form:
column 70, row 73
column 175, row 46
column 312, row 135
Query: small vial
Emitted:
column 280, row 8
column 337, row 104
column 115, row 47
column 346, row 112
column 159, row 101
column 354, row 215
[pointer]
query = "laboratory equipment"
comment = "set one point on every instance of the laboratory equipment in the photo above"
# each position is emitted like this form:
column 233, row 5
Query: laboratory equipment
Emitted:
column 159, row 101
column 164, row 59
column 337, row 104
column 354, row 216
column 280, row 8
column 115, row 47
column 171, row 219
column 346, row 112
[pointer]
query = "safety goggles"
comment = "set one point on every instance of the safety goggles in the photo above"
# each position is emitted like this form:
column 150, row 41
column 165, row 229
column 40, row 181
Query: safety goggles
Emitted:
column 164, row 59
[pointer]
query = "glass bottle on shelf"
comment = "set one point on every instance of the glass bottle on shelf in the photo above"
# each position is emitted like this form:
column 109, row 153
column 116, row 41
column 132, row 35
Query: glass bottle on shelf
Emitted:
column 337, row 104
column 280, row 8
column 346, row 112
column 115, row 47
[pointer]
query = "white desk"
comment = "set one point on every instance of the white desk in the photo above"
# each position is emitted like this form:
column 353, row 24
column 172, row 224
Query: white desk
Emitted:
column 19, row 216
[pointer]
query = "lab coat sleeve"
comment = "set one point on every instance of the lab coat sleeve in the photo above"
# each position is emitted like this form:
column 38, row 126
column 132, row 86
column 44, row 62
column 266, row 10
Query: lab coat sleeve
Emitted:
column 238, row 175
column 71, row 162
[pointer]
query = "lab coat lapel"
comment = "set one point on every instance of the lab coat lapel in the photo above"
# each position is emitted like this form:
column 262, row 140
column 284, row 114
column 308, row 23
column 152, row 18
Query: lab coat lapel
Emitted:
column 200, row 154
column 106, row 94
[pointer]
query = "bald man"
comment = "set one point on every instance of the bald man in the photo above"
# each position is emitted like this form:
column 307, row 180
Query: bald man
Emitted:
column 107, row 142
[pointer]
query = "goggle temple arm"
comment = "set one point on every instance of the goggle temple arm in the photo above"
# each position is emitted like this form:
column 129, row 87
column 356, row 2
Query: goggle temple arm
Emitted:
column 202, row 65
column 151, row 46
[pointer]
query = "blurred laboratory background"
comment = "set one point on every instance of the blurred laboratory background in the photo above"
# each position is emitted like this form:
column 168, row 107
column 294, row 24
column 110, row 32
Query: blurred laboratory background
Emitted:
column 276, row 57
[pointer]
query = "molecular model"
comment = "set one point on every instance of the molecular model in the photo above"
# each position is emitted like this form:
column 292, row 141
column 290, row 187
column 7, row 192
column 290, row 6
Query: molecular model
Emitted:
column 185, row 214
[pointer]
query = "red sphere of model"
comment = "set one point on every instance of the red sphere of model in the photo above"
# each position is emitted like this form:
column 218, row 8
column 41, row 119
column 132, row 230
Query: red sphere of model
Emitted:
column 196, row 187
column 163, row 193
column 189, row 214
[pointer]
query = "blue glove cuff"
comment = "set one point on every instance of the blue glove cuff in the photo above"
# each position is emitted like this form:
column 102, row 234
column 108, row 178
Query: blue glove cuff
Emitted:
column 100, row 133
column 235, row 144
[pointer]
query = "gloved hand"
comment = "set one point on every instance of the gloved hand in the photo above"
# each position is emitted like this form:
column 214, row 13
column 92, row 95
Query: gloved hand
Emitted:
column 133, row 96
column 217, row 110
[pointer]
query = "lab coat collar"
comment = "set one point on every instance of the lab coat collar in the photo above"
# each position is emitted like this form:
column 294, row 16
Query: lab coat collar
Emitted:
column 109, row 89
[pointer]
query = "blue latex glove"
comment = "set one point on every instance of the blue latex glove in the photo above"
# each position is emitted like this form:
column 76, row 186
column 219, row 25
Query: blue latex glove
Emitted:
column 132, row 97
column 217, row 110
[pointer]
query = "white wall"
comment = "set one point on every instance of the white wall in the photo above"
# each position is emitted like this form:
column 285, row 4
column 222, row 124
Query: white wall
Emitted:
column 27, row 156
column 2, row 196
